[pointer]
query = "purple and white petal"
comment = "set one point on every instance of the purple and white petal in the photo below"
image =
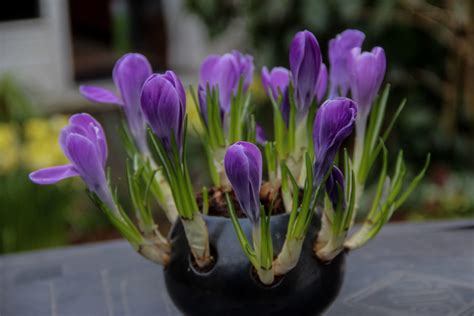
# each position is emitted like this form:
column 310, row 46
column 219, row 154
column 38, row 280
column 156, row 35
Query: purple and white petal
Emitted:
column 52, row 175
column 339, row 53
column 99, row 95
column 367, row 70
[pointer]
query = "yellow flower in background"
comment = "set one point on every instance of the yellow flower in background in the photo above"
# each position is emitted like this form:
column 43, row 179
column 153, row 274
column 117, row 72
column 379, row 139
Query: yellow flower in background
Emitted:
column 193, row 115
column 41, row 148
column 257, row 90
column 9, row 144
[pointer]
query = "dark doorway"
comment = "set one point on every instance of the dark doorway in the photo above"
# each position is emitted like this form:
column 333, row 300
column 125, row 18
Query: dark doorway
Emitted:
column 103, row 30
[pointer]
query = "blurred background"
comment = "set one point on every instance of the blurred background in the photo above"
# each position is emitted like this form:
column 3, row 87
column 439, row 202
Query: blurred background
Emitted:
column 49, row 47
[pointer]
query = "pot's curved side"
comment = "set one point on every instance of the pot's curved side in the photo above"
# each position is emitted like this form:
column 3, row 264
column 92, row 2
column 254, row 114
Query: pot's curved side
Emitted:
column 230, row 288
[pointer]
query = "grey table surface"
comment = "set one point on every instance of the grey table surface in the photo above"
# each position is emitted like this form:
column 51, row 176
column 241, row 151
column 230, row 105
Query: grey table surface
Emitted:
column 409, row 269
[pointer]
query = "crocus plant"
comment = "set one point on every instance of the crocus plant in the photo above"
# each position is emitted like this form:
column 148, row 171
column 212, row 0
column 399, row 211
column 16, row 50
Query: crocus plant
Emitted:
column 312, row 164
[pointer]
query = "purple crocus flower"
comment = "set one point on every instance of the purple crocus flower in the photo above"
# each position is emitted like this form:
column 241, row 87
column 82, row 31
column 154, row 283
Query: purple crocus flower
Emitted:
column 334, row 183
column 84, row 144
column 322, row 83
column 305, row 64
column 224, row 73
column 339, row 53
column 246, row 67
column 333, row 124
column 243, row 167
column 163, row 102
column 367, row 70
column 275, row 82
column 129, row 74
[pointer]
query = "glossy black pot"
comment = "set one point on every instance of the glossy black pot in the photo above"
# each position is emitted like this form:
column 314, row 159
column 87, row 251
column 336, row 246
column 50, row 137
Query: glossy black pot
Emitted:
column 230, row 288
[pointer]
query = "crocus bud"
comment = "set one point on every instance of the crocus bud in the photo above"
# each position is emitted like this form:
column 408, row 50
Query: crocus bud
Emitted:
column 334, row 183
column 367, row 70
column 243, row 167
column 224, row 73
column 275, row 82
column 129, row 74
column 322, row 83
column 83, row 143
column 246, row 68
column 163, row 103
column 339, row 53
column 333, row 124
column 305, row 63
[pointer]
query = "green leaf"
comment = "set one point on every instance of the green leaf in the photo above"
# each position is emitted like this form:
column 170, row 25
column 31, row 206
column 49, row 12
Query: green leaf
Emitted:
column 248, row 250
column 414, row 183
column 380, row 185
column 266, row 247
column 377, row 149
column 294, row 208
column 137, row 200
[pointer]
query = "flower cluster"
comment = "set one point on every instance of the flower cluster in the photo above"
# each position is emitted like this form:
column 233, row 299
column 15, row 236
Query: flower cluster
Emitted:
column 310, row 164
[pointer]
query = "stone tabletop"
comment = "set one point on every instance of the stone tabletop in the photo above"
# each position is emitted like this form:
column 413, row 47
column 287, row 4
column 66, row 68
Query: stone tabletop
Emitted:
column 409, row 269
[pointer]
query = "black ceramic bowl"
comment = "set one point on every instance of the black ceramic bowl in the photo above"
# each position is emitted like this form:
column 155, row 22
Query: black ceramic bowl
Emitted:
column 230, row 287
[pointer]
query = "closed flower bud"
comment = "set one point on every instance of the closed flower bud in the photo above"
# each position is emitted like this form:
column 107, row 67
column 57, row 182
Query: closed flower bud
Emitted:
column 243, row 167
column 339, row 52
column 367, row 70
column 333, row 124
column 305, row 64
column 275, row 83
column 163, row 102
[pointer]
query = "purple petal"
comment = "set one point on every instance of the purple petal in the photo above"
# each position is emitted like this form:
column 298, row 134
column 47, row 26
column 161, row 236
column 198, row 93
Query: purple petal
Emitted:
column 260, row 133
column 162, row 109
column 100, row 95
column 275, row 81
column 84, row 124
column 53, row 174
column 322, row 84
column 178, row 85
column 243, row 167
column 333, row 183
column 206, row 74
column 227, row 80
column 87, row 162
column 339, row 53
column 367, row 70
column 305, row 63
column 129, row 74
column 223, row 73
column 246, row 67
column 202, row 102
column 333, row 124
